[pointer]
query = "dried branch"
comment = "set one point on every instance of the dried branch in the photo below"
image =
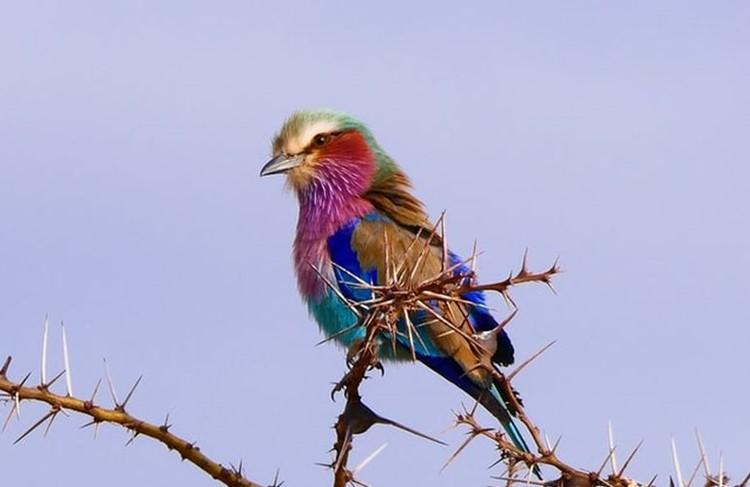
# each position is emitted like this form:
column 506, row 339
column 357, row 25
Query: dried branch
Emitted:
column 18, row 392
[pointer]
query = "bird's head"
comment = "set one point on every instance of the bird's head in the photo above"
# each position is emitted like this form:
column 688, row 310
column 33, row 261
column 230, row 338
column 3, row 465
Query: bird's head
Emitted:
column 332, row 155
column 327, row 147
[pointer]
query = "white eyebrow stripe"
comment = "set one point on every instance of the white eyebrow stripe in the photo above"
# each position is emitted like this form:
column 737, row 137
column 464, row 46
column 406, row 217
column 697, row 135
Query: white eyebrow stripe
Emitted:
column 302, row 139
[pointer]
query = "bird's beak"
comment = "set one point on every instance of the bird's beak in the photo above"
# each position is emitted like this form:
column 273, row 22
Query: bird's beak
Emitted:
column 281, row 164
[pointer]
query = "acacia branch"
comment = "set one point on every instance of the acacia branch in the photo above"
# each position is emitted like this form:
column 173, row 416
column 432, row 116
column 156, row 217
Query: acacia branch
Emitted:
column 18, row 392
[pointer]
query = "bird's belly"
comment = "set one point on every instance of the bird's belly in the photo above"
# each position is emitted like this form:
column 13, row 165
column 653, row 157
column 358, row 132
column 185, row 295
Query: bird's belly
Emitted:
column 335, row 319
column 339, row 324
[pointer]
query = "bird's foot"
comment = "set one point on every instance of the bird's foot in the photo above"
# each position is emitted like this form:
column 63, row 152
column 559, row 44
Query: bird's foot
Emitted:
column 359, row 351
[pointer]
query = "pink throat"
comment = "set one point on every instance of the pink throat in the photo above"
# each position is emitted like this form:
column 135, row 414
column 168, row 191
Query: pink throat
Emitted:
column 325, row 205
column 316, row 224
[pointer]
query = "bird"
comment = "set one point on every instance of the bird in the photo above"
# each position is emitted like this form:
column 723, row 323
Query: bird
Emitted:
column 356, row 211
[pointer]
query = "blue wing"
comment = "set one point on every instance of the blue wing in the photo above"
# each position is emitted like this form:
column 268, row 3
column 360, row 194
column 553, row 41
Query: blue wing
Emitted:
column 358, row 252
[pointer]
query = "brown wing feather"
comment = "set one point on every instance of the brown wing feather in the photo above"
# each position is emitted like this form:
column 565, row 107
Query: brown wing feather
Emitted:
column 450, row 331
column 392, row 197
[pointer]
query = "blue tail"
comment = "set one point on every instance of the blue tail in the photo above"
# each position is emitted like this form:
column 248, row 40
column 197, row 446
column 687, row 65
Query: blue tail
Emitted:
column 490, row 398
column 497, row 405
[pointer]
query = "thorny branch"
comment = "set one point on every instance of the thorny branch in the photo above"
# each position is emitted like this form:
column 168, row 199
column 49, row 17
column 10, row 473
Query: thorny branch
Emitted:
column 17, row 392
column 386, row 317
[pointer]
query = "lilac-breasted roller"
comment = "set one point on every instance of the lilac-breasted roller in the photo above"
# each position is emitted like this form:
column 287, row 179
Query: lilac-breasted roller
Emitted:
column 353, row 198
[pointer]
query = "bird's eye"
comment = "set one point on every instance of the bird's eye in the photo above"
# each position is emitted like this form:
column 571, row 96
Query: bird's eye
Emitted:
column 320, row 140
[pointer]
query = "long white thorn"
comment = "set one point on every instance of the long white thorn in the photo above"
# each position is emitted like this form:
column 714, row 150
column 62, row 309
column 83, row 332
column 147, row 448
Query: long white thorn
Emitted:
column 110, row 384
column 704, row 457
column 369, row 458
column 473, row 260
column 66, row 359
column 45, row 336
column 611, row 441
column 387, row 263
column 17, row 399
column 676, row 462
column 444, row 239
column 9, row 417
column 721, row 469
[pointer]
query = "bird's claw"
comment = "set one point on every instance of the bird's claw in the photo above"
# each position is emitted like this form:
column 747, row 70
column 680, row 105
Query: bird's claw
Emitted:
column 339, row 386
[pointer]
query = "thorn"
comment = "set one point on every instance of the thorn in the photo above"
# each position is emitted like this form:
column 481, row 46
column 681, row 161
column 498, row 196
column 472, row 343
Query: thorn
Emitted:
column 443, row 320
column 630, row 457
column 473, row 260
column 26, row 377
column 17, row 405
column 556, row 445
column 426, row 244
column 45, row 335
column 238, row 469
column 505, row 322
column 444, row 240
column 66, row 362
column 54, row 379
column 369, row 458
column 5, row 367
column 472, row 435
column 611, row 442
column 90, row 423
column 410, row 332
column 604, row 463
column 676, row 462
column 555, row 267
column 356, row 325
column 721, row 469
column 132, row 438
column 340, row 454
column 695, row 471
column 508, row 300
column 130, row 394
column 524, row 269
column 17, row 396
column 529, row 360
column 535, row 469
column 412, row 329
column 550, row 286
column 35, row 425
column 111, row 385
column 401, row 266
column 358, row 482
column 51, row 420
column 704, row 457
column 10, row 415
column 651, row 482
column 165, row 428
column 349, row 304
column 276, row 482
column 96, row 389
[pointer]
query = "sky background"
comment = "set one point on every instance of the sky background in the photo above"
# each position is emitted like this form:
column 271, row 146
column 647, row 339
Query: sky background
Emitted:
column 615, row 135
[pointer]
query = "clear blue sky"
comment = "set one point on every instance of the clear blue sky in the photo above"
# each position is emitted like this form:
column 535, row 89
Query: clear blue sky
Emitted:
column 613, row 134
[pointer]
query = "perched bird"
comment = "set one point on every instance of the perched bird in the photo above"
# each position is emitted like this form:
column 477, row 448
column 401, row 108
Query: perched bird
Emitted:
column 356, row 209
